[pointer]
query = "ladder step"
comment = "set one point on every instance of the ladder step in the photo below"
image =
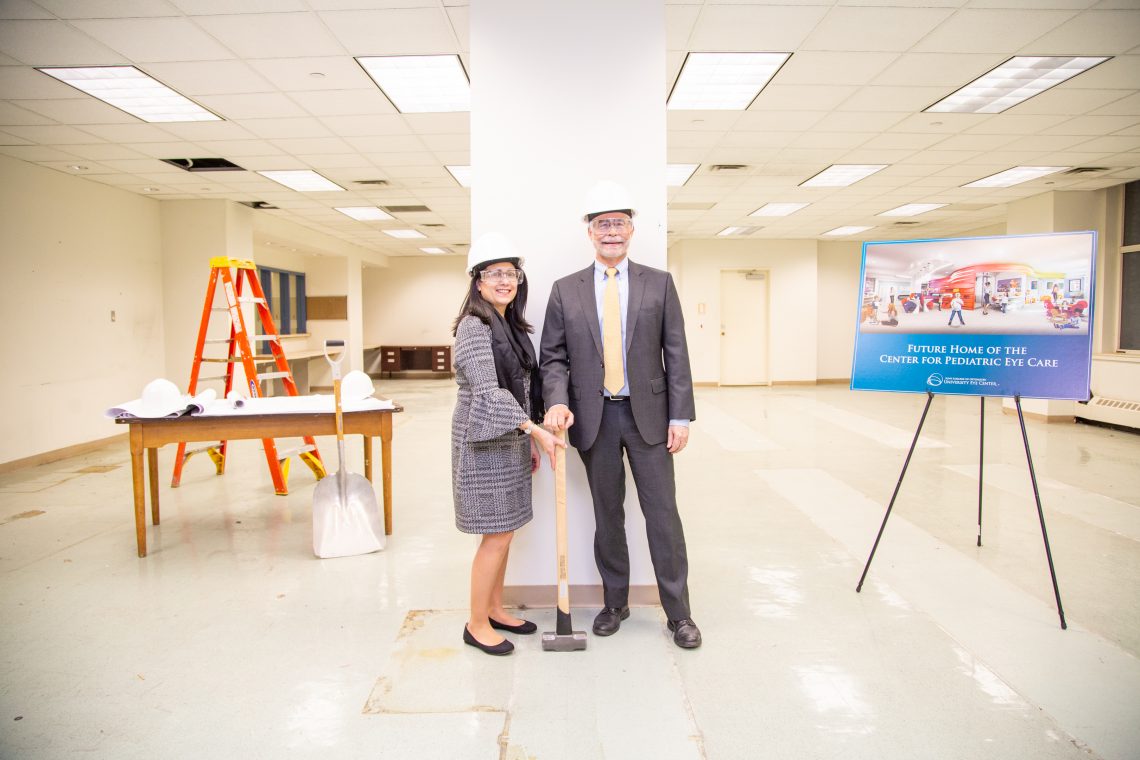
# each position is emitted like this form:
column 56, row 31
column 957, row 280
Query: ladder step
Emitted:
column 236, row 359
column 273, row 338
column 218, row 340
column 272, row 375
column 251, row 299
column 295, row 451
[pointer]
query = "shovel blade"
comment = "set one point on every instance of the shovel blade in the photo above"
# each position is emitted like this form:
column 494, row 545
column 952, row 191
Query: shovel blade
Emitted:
column 346, row 517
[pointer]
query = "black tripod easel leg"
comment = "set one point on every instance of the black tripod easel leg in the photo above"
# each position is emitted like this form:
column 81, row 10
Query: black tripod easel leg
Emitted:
column 1040, row 512
column 913, row 443
column 981, row 459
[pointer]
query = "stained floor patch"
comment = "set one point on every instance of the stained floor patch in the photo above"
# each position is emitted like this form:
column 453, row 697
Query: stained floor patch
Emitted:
column 22, row 516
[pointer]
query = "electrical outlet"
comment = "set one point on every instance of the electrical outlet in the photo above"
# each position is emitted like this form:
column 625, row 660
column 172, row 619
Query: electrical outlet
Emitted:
column 112, row 315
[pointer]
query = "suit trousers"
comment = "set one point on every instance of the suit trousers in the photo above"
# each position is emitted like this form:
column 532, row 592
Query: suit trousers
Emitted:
column 652, row 467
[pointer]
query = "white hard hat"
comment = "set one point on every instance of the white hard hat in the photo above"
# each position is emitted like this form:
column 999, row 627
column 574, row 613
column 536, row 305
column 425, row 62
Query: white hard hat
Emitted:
column 492, row 247
column 604, row 197
column 161, row 397
column 356, row 385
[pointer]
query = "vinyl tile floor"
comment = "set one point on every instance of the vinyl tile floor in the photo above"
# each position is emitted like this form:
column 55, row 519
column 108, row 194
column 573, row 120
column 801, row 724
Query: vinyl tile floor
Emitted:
column 231, row 641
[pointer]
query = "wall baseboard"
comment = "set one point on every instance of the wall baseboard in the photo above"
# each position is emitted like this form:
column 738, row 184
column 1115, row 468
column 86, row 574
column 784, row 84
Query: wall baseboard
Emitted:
column 580, row 596
column 1046, row 418
column 57, row 454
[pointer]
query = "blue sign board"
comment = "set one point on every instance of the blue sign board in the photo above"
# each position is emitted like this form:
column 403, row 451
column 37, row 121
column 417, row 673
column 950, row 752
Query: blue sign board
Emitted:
column 987, row 316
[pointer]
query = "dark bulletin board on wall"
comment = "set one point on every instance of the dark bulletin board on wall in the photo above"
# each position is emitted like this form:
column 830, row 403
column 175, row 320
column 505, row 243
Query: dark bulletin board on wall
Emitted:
column 1130, row 271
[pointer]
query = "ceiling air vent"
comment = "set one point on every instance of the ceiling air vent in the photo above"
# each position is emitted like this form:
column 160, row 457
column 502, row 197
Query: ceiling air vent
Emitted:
column 374, row 182
column 258, row 204
column 203, row 164
column 729, row 168
column 906, row 224
column 431, row 225
column 1086, row 170
column 405, row 209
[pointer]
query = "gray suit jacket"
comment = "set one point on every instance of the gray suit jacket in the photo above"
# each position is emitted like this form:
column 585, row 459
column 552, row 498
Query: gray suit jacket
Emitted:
column 656, row 354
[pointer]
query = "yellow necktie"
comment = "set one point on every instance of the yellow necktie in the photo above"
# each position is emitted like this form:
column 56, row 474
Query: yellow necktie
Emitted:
column 611, row 335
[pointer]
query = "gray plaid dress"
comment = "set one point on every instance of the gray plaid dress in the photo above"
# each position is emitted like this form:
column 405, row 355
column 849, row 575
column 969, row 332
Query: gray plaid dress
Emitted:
column 490, row 457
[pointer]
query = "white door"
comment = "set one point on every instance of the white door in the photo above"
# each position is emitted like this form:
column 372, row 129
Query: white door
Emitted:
column 743, row 328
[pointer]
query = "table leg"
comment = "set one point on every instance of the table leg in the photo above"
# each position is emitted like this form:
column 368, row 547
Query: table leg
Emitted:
column 386, row 470
column 152, row 472
column 367, row 457
column 139, row 488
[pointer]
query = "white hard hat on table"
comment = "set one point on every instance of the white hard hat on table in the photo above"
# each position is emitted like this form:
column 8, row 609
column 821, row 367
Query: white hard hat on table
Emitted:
column 605, row 197
column 492, row 247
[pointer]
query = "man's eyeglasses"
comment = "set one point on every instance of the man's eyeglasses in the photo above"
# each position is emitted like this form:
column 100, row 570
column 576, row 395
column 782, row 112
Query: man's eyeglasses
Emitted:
column 611, row 225
column 501, row 275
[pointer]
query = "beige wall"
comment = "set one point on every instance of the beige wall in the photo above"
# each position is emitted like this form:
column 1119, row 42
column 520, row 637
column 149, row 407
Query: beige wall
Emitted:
column 413, row 301
column 73, row 251
column 838, row 293
column 793, row 302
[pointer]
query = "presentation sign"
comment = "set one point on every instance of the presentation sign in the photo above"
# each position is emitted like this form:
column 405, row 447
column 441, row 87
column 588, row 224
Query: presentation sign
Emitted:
column 985, row 316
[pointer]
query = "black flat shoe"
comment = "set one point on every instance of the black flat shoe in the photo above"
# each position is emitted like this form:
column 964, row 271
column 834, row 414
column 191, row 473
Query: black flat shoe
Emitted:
column 525, row 627
column 503, row 647
column 685, row 633
column 609, row 620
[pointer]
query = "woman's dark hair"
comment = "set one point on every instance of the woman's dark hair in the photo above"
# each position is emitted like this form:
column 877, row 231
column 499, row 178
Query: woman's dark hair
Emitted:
column 476, row 306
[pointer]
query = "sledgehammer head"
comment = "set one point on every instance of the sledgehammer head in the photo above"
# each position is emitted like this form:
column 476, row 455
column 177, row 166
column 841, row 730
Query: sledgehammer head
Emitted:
column 563, row 639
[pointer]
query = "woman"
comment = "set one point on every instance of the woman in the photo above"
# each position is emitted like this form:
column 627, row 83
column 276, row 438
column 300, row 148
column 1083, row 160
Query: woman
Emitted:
column 495, row 443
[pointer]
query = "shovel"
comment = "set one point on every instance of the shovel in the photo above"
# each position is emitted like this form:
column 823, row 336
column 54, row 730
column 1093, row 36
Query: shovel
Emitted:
column 346, row 518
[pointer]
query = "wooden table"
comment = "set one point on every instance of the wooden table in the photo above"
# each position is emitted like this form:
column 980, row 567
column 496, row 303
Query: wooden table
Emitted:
column 151, row 434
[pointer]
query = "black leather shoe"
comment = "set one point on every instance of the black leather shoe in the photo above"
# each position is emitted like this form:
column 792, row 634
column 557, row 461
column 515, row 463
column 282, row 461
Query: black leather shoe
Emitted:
column 524, row 627
column 503, row 647
column 609, row 620
column 685, row 633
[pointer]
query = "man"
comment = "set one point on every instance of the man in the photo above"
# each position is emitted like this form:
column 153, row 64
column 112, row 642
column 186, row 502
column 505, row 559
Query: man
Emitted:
column 615, row 372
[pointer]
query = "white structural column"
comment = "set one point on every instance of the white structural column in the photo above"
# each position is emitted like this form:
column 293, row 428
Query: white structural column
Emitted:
column 562, row 95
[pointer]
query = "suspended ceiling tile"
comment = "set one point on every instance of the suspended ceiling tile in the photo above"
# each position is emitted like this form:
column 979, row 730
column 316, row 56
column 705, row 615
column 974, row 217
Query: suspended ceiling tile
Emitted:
column 322, row 161
column 78, row 111
column 208, row 130
column 172, row 150
column 456, row 157
column 1093, row 32
column 772, row 28
column 459, row 18
column 834, row 67
column 397, row 157
column 949, row 70
column 194, row 78
column 403, row 31
column 1120, row 73
column 990, row 30
column 974, row 142
column 1066, row 100
column 147, row 166
column 215, row 7
column 867, row 154
column 1126, row 106
column 50, row 134
column 688, row 139
column 286, row 128
column 301, row 74
column 22, row 9
column 282, row 162
column 313, row 145
column 900, row 141
column 253, row 105
column 235, row 149
column 155, row 39
column 266, row 35
column 1091, row 125
column 25, row 83
column 446, row 142
column 439, row 123
column 344, row 103
column 869, row 28
column 942, row 123
column 103, row 151
column 776, row 97
column 1014, row 124
column 8, row 139
column 778, row 121
column 874, row 122
column 829, row 140
column 1109, row 144
column 718, row 121
column 679, row 22
column 898, row 99
column 10, row 113
column 363, row 127
column 53, row 43
column 35, row 153
column 128, row 133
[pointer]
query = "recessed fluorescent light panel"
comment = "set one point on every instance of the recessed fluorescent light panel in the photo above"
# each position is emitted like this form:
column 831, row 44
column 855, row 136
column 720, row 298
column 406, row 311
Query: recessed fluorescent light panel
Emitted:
column 737, row 231
column 912, row 209
column 303, row 181
column 723, row 81
column 1016, row 80
column 842, row 175
column 405, row 234
column 678, row 174
column 364, row 213
column 1015, row 176
column 779, row 209
column 433, row 249
column 130, row 90
column 462, row 174
column 846, row 231
column 421, row 83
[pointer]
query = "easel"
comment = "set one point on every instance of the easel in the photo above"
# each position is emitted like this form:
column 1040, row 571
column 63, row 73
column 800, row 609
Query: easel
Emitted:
column 981, row 449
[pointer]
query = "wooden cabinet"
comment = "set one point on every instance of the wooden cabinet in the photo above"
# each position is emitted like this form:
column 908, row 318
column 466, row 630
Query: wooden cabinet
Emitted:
column 434, row 359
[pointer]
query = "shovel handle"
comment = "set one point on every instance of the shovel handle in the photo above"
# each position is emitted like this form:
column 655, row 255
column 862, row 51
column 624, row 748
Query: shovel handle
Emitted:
column 335, row 358
column 560, row 525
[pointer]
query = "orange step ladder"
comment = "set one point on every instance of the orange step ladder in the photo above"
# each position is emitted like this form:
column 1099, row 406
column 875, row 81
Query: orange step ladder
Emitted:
column 234, row 276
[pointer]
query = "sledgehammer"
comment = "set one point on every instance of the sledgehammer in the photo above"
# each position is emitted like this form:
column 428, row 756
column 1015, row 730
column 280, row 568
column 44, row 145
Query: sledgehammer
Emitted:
column 563, row 638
